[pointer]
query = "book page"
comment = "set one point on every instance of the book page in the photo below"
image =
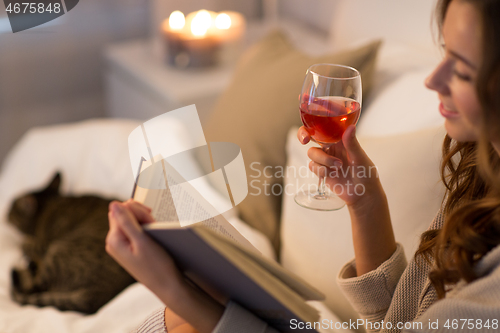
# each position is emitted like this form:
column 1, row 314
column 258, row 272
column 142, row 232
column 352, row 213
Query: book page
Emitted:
column 156, row 188
column 221, row 226
column 152, row 190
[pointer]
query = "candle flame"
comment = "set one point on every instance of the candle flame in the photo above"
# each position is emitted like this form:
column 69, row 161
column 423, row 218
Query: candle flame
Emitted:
column 223, row 21
column 201, row 23
column 176, row 20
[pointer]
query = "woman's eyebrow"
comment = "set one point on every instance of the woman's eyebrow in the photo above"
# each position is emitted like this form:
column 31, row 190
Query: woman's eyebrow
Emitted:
column 460, row 57
column 463, row 59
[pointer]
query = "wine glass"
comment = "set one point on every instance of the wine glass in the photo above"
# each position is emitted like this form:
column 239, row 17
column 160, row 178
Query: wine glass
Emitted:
column 330, row 102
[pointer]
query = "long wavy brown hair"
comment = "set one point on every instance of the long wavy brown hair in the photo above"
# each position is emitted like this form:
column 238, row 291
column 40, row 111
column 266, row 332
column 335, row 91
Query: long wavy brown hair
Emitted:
column 470, row 172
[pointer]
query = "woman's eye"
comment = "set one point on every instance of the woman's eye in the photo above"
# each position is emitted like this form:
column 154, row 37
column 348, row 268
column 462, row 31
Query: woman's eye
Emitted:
column 461, row 76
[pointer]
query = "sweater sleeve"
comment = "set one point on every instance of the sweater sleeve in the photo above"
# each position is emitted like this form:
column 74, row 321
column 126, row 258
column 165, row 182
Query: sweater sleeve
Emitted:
column 155, row 323
column 451, row 315
column 468, row 307
column 234, row 319
column 238, row 319
column 371, row 294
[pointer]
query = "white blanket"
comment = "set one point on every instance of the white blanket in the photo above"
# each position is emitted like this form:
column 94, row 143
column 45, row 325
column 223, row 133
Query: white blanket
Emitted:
column 93, row 158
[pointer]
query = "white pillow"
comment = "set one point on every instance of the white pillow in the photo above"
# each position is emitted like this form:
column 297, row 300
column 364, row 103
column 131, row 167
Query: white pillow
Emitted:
column 92, row 156
column 403, row 105
column 393, row 20
column 316, row 244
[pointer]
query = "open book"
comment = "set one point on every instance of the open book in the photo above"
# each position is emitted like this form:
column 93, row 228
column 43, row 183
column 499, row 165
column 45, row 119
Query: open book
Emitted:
column 214, row 252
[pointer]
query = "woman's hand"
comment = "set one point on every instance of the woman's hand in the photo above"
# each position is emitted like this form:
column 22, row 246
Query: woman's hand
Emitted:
column 151, row 265
column 352, row 176
column 350, row 173
column 135, row 251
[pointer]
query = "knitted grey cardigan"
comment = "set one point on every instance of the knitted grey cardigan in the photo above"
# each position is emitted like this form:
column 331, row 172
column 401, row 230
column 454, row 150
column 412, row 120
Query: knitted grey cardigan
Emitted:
column 394, row 297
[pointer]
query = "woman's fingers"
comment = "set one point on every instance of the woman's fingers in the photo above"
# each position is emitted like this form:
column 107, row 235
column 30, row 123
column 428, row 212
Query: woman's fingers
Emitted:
column 303, row 135
column 319, row 156
column 321, row 170
column 126, row 221
column 116, row 240
column 138, row 204
column 140, row 211
column 355, row 152
column 143, row 258
column 349, row 149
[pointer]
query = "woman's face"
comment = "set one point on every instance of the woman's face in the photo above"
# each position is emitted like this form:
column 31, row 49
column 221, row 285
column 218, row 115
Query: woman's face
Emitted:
column 454, row 79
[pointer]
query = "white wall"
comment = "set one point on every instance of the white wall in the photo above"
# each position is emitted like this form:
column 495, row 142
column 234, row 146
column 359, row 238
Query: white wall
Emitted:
column 395, row 20
column 53, row 73
column 315, row 13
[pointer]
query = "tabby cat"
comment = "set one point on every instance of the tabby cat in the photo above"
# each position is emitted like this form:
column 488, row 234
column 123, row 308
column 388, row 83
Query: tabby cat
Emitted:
column 64, row 245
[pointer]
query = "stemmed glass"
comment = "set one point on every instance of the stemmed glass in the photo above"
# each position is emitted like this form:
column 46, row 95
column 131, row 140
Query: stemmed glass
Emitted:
column 330, row 102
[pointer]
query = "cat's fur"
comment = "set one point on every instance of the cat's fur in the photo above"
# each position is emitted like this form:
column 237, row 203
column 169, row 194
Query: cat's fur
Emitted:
column 64, row 245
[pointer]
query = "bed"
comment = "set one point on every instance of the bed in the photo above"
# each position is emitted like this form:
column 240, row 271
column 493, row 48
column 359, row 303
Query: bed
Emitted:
column 400, row 129
column 71, row 149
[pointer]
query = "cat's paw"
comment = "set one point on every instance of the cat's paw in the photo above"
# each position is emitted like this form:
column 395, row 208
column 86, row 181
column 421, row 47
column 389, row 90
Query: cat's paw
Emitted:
column 37, row 299
column 19, row 297
column 22, row 280
column 17, row 293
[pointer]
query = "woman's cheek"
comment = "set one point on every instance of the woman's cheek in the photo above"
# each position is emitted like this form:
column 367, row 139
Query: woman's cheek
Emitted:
column 474, row 114
column 469, row 106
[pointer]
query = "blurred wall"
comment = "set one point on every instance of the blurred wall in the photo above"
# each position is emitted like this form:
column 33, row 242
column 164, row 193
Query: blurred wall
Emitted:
column 315, row 13
column 53, row 73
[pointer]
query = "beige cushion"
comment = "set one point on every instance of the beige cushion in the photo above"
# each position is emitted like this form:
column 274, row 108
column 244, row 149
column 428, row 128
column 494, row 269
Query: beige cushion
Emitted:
column 260, row 106
column 315, row 245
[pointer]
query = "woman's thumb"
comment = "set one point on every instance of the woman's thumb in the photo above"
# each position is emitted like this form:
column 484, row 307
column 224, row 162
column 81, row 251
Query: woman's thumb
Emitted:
column 355, row 152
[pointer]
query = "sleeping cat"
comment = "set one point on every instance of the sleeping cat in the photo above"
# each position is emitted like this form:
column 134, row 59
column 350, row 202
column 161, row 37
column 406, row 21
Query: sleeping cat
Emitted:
column 68, row 266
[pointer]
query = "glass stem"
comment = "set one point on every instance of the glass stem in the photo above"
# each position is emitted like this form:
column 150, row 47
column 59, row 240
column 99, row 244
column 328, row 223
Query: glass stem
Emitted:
column 321, row 183
column 321, row 187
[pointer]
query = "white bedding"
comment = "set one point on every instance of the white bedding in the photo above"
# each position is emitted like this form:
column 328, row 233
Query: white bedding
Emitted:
column 93, row 158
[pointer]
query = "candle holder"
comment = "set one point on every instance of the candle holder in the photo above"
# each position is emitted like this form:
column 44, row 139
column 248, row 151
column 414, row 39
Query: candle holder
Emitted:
column 195, row 53
column 202, row 39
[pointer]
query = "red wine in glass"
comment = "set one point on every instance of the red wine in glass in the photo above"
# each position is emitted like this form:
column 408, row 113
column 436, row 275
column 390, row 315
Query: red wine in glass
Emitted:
column 327, row 118
column 330, row 102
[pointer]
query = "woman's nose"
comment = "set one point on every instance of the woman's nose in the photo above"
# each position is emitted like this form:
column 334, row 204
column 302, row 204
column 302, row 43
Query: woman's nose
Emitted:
column 439, row 78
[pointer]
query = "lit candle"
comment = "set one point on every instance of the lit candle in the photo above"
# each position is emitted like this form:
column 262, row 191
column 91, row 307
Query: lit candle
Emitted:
column 198, row 38
column 201, row 38
column 176, row 21
column 172, row 31
column 230, row 28
column 201, row 23
column 223, row 21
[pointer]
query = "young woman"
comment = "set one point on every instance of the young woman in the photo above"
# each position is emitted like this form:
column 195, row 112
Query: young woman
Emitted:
column 454, row 278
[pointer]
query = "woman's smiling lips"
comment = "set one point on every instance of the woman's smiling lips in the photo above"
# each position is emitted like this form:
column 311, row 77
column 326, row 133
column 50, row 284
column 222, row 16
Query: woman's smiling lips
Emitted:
column 447, row 113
